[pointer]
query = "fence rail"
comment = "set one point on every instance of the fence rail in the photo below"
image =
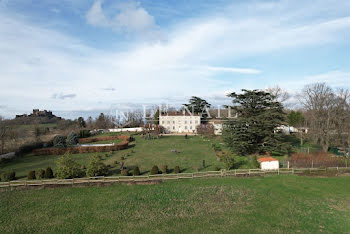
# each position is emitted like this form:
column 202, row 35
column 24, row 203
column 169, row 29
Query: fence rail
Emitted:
column 117, row 179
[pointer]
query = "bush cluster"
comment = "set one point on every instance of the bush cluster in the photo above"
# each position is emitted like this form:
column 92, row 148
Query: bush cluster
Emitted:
column 67, row 168
column 84, row 133
column 8, row 176
column 31, row 175
column 154, row 170
column 96, row 167
column 40, row 174
column 124, row 172
column 28, row 148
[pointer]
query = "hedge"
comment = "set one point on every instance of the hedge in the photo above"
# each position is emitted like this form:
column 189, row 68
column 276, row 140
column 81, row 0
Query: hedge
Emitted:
column 105, row 138
column 81, row 150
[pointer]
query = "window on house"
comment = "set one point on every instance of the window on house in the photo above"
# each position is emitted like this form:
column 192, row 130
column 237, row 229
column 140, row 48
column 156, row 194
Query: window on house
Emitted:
column 190, row 127
column 173, row 127
column 162, row 122
column 191, row 122
column 185, row 127
column 168, row 122
column 173, row 122
column 185, row 121
column 196, row 121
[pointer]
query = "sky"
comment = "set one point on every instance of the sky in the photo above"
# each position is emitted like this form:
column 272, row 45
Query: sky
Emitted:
column 83, row 57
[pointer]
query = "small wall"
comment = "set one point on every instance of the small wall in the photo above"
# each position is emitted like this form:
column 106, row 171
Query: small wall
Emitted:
column 271, row 165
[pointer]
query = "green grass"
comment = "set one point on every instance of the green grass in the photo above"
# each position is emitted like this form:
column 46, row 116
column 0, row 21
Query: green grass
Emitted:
column 142, row 153
column 29, row 162
column 115, row 141
column 146, row 153
column 284, row 204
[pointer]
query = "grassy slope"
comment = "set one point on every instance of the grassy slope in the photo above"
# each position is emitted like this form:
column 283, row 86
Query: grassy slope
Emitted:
column 158, row 152
column 285, row 204
column 142, row 153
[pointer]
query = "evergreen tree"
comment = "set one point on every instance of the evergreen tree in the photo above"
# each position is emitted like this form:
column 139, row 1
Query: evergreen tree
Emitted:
column 255, row 130
column 67, row 168
column 198, row 106
column 59, row 141
column 96, row 167
column 81, row 122
column 72, row 139
column 295, row 118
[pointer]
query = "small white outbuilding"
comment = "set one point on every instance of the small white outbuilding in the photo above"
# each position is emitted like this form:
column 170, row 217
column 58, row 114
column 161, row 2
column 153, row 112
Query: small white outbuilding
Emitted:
column 269, row 163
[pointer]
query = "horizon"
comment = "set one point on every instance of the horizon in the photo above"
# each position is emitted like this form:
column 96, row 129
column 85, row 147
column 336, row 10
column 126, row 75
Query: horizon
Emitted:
column 84, row 57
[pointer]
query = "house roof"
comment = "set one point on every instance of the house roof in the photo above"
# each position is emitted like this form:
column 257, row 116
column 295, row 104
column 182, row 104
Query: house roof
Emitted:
column 267, row 159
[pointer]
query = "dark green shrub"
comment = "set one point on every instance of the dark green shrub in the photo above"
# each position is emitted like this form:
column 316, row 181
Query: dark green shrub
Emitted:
column 8, row 176
column 116, row 162
column 72, row 139
column 48, row 173
column 67, row 168
column 96, row 167
column 124, row 172
column 84, row 133
column 164, row 169
column 59, row 141
column 28, row 148
column 155, row 170
column 177, row 169
column 136, row 171
column 40, row 174
column 31, row 175
column 122, row 158
column 217, row 168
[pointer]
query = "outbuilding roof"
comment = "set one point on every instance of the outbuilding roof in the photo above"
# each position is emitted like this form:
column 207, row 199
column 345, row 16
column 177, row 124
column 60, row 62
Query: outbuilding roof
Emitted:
column 267, row 159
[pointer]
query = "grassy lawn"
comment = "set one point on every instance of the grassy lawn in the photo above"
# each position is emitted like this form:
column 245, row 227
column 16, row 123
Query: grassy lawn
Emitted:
column 146, row 153
column 284, row 204
column 142, row 153
column 29, row 162
column 115, row 141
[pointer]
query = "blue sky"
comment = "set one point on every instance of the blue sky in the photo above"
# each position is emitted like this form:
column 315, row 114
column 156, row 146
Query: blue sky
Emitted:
column 80, row 57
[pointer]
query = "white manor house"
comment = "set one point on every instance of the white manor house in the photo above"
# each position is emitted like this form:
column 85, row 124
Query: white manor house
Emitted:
column 179, row 122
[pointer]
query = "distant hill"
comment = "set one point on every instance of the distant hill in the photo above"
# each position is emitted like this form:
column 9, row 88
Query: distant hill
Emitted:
column 37, row 117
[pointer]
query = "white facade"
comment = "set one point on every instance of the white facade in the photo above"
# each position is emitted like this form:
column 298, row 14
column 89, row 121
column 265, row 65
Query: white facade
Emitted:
column 270, row 165
column 139, row 129
column 179, row 123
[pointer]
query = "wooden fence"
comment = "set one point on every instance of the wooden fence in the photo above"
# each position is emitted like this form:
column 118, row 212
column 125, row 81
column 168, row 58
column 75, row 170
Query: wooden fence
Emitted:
column 147, row 178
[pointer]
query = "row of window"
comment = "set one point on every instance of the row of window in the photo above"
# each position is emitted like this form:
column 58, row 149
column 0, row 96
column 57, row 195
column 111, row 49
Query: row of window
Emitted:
column 196, row 122
column 185, row 127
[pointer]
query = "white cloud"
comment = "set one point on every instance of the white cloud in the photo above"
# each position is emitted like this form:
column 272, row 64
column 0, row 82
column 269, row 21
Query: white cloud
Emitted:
column 130, row 17
column 95, row 15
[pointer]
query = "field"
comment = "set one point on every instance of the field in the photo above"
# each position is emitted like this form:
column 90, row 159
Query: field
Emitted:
column 142, row 153
column 277, row 204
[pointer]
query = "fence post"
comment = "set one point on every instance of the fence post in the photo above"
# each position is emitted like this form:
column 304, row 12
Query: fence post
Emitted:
column 235, row 172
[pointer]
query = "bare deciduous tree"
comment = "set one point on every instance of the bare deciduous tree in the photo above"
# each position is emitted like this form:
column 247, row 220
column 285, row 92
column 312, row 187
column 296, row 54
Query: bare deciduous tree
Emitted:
column 327, row 113
column 280, row 94
column 4, row 132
